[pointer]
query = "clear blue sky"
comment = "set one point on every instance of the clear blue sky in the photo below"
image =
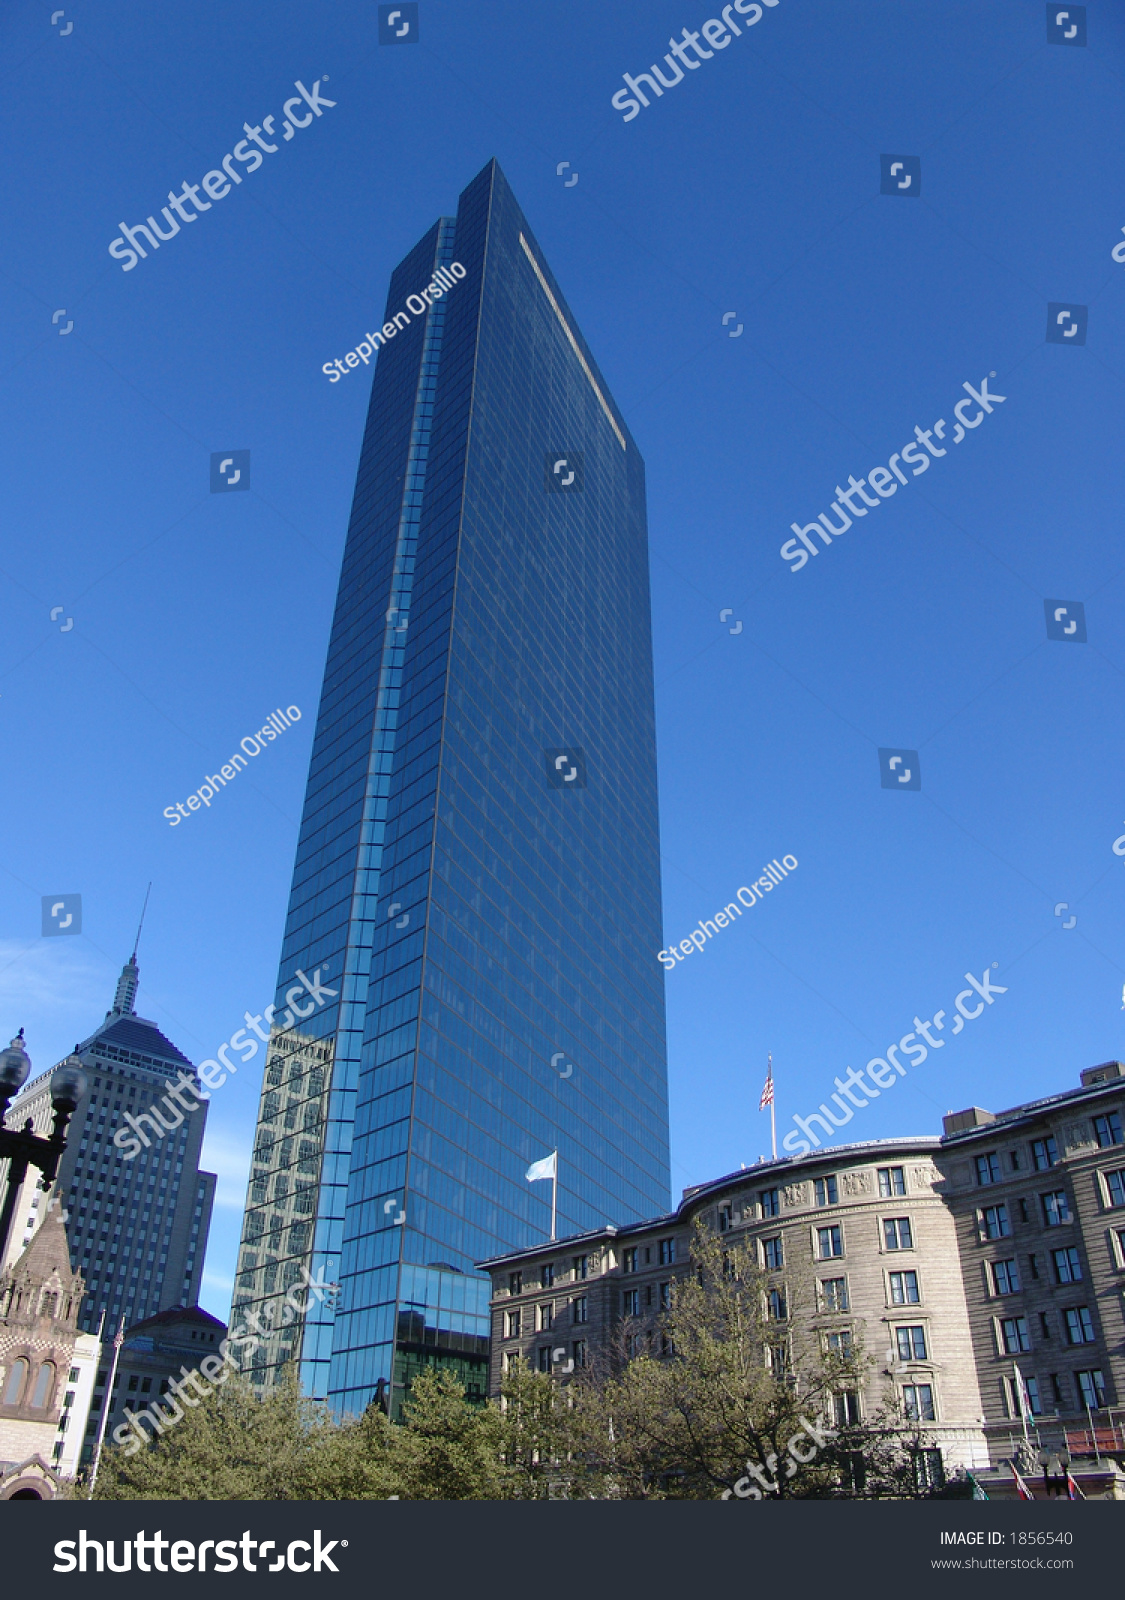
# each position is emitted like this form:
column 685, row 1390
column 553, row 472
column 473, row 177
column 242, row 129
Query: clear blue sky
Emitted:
column 752, row 187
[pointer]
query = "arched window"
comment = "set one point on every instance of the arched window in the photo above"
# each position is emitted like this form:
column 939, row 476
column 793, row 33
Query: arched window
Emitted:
column 44, row 1386
column 13, row 1389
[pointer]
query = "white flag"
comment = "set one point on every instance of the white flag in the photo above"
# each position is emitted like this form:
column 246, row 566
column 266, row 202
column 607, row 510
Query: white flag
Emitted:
column 547, row 1168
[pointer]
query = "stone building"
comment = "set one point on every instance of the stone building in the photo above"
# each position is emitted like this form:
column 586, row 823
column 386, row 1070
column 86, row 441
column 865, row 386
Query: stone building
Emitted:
column 958, row 1260
column 46, row 1365
column 154, row 1352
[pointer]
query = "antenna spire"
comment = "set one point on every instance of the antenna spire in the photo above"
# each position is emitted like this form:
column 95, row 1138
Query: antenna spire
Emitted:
column 140, row 925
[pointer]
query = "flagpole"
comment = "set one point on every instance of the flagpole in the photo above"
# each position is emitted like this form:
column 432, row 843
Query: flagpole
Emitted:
column 107, row 1405
column 554, row 1195
column 773, row 1128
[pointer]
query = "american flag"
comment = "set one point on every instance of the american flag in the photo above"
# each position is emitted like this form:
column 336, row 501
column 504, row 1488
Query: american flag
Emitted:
column 767, row 1092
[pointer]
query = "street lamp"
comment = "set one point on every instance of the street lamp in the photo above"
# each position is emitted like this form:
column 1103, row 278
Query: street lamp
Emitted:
column 22, row 1147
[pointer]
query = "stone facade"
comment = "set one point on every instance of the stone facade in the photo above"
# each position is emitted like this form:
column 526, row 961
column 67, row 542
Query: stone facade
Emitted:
column 40, row 1299
column 890, row 1242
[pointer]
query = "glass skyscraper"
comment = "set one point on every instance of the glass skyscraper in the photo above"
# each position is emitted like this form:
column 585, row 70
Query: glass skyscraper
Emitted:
column 477, row 874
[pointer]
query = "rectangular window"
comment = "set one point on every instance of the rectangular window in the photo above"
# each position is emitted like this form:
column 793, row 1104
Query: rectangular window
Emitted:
column 897, row 1233
column 911, row 1344
column 515, row 1283
column 513, row 1325
column 546, row 1317
column 829, row 1243
column 1079, row 1325
column 578, row 1352
column 1014, row 1335
column 918, row 1402
column 665, row 1296
column 1005, row 1277
column 929, row 1470
column 772, row 1254
column 667, row 1252
column 1031, row 1384
column 904, row 1288
column 769, row 1203
column 544, row 1358
column 581, row 1267
column 629, row 1259
column 840, row 1344
column 1068, row 1267
column 846, row 1406
column 1015, row 1161
column 1056, row 1208
column 834, row 1294
column 631, row 1303
column 1044, row 1154
column 1091, row 1386
column 726, row 1218
column 1044, row 1325
column 1107, row 1129
column 988, row 1168
column 892, row 1181
column 581, row 1308
column 1058, row 1393
column 994, row 1222
column 826, row 1191
column 1115, row 1184
column 547, row 1276
column 776, row 1304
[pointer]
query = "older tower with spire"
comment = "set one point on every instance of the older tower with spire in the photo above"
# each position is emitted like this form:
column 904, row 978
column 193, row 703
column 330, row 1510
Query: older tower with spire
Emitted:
column 138, row 1209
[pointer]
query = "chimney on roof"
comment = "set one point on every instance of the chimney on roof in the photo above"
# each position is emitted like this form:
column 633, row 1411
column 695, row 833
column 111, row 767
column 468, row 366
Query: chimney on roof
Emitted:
column 961, row 1121
column 1103, row 1074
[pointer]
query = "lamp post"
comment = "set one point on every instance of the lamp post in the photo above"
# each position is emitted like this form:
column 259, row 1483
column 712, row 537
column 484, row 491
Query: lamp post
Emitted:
column 22, row 1147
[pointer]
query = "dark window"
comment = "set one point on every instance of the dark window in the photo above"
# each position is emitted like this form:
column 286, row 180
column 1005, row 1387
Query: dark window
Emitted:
column 829, row 1243
column 777, row 1306
column 1044, row 1153
column 1107, row 1129
column 904, row 1288
column 665, row 1296
column 515, row 1283
column 1091, row 1386
column 846, row 1407
column 772, row 1256
column 1115, row 1183
column 892, row 1181
column 581, row 1266
column 544, row 1358
column 1044, row 1325
column 929, row 1471
column 581, row 1308
column 1079, row 1325
column 631, row 1303
column 897, row 1233
column 918, row 1402
column 826, row 1191
column 667, row 1252
column 1068, row 1267
column 726, row 1218
column 547, row 1276
column 834, row 1294
column 1005, row 1277
column 1014, row 1335
column 911, row 1344
column 629, row 1259
column 988, row 1168
column 578, row 1350
column 769, row 1203
column 994, row 1222
column 1056, row 1208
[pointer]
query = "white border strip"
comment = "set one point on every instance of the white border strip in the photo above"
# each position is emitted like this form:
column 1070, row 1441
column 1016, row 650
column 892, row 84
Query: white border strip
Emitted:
column 573, row 341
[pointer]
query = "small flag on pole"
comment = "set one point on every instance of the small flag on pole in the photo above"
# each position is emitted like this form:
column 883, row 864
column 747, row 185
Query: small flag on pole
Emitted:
column 767, row 1092
column 1021, row 1487
column 547, row 1168
column 1073, row 1492
column 978, row 1492
column 767, row 1100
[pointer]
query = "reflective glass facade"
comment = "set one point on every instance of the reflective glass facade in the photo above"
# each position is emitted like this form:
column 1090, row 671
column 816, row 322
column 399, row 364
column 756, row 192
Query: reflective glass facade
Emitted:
column 478, row 866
